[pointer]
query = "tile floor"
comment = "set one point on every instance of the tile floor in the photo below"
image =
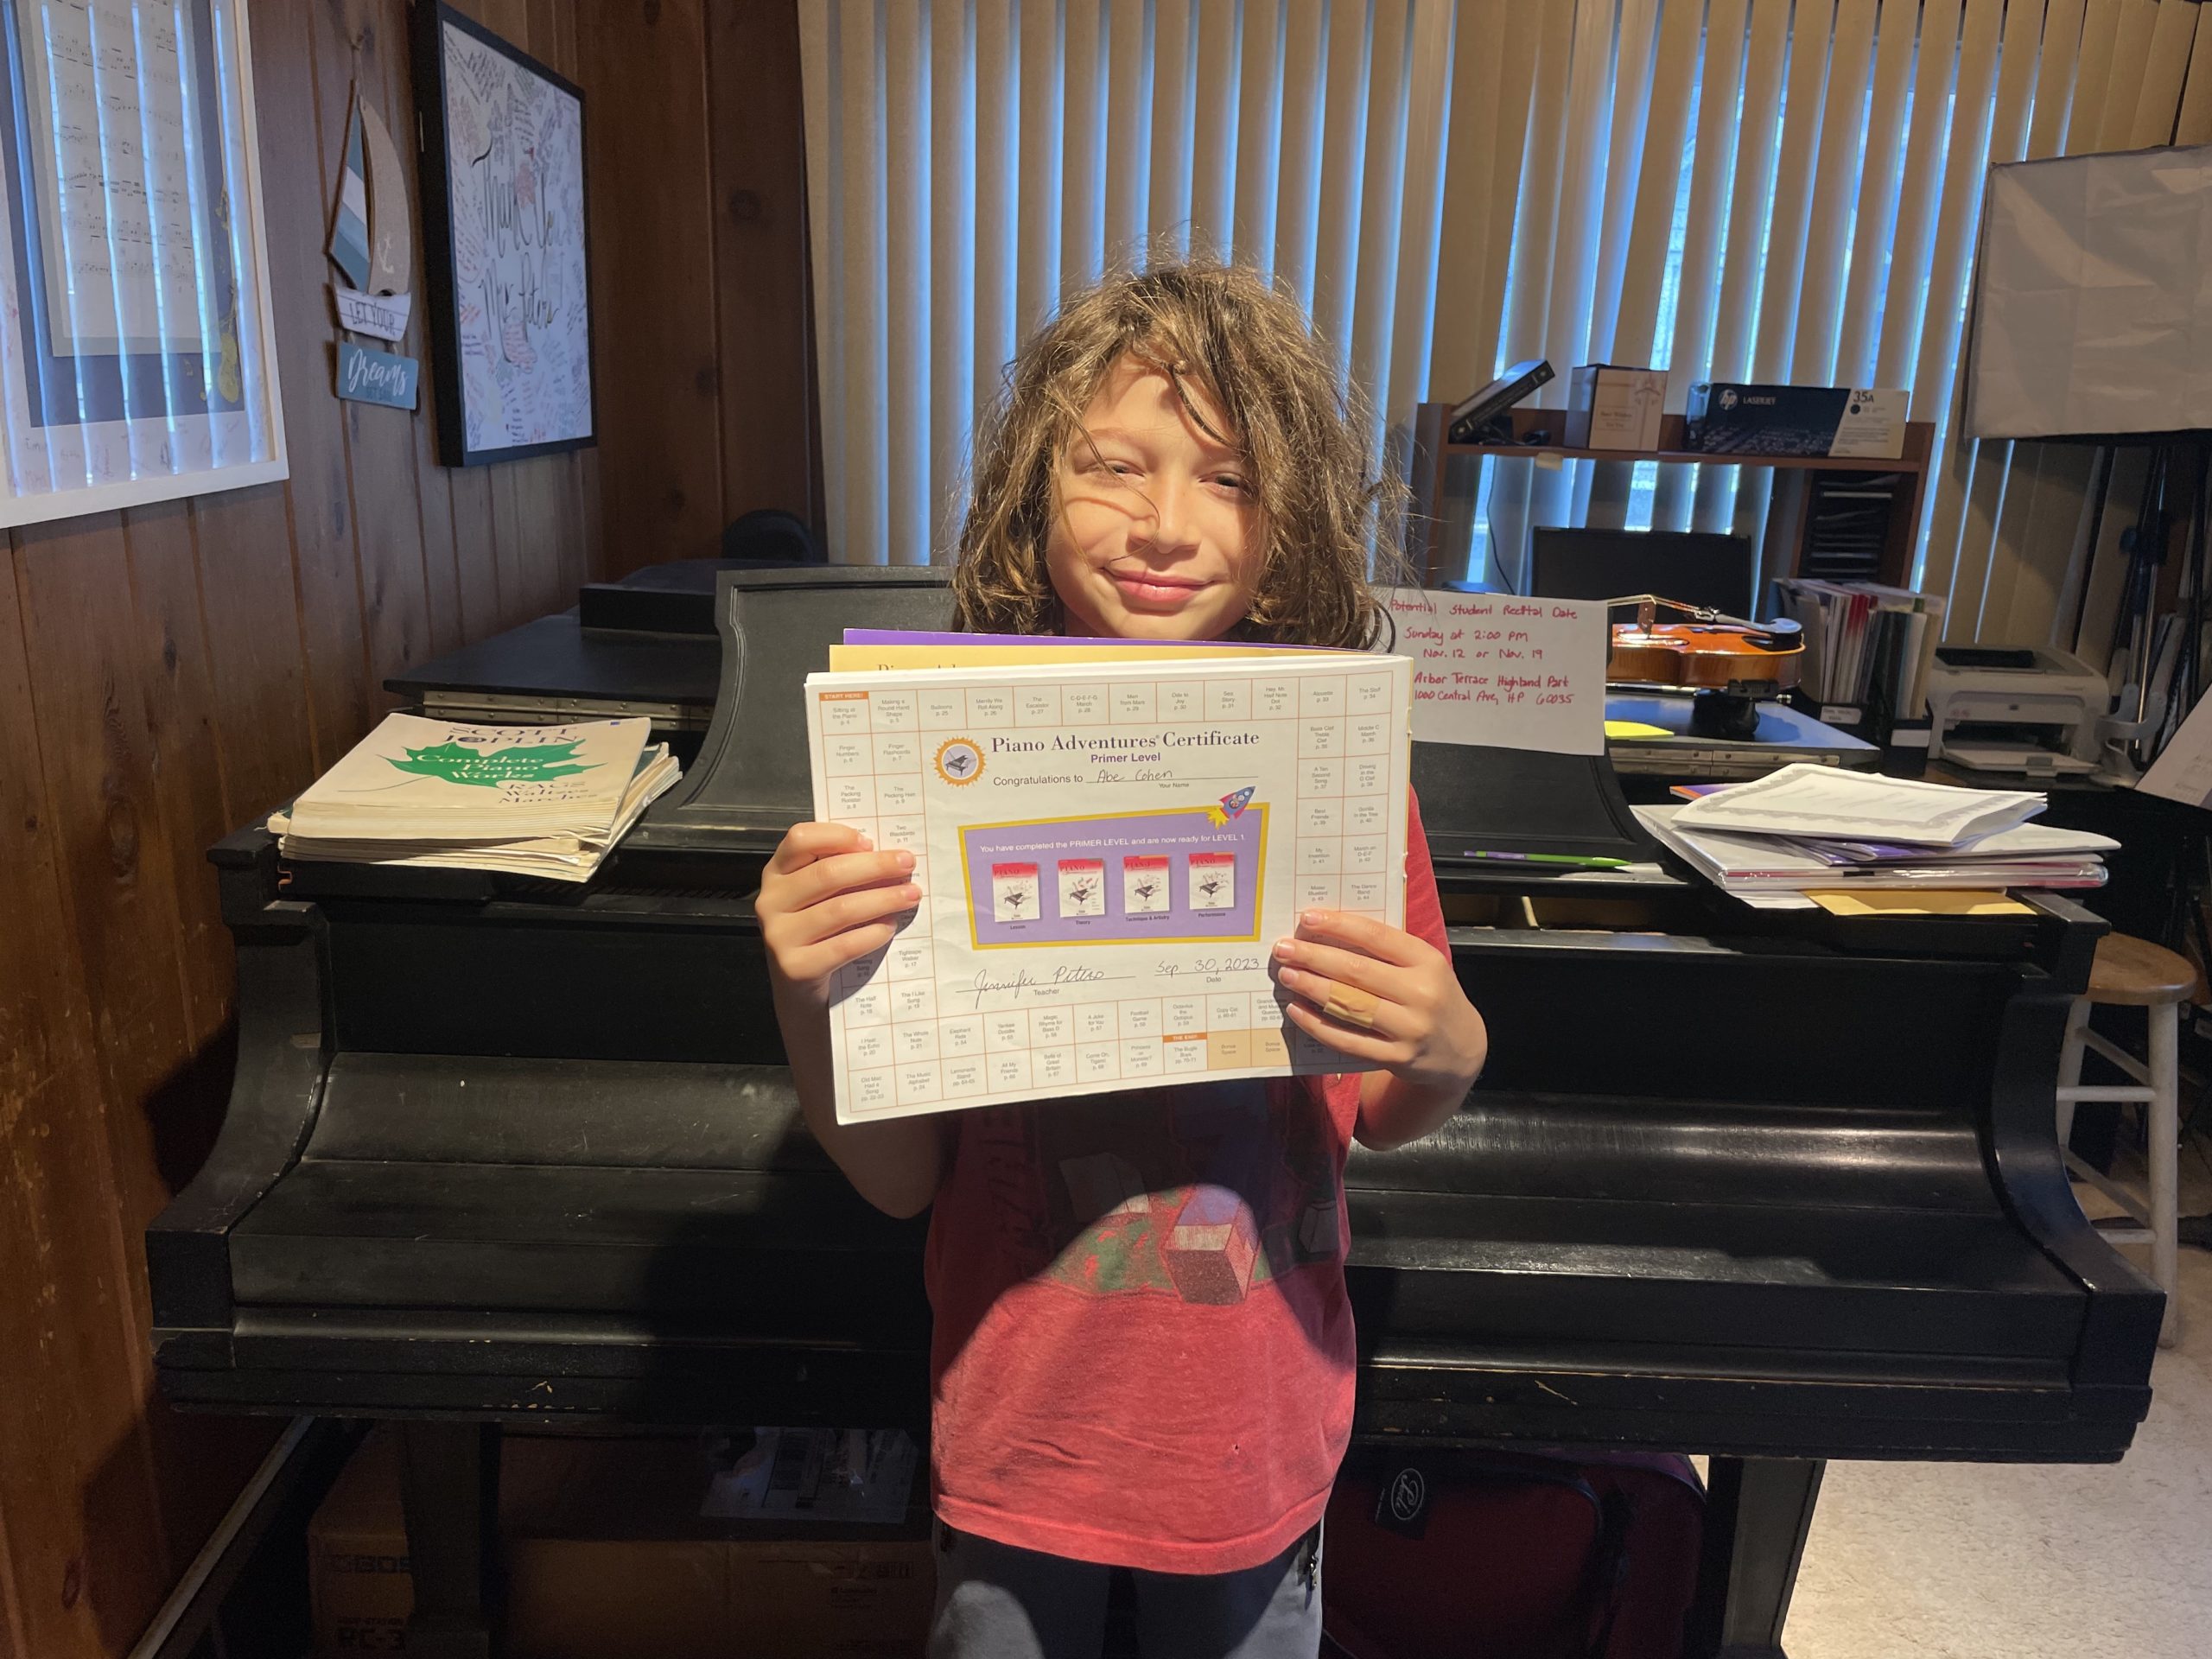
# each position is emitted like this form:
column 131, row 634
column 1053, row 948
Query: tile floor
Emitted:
column 2032, row 1561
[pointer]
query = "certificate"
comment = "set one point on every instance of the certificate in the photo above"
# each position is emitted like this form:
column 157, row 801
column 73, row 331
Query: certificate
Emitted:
column 1107, row 852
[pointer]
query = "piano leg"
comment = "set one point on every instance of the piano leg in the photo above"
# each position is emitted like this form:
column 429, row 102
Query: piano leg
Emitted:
column 448, row 1486
column 1756, row 1517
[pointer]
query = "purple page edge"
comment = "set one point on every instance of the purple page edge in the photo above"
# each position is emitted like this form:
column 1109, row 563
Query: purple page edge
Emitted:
column 902, row 637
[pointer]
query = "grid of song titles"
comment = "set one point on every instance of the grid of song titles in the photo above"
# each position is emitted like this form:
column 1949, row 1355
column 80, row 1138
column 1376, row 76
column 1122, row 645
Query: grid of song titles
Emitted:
column 908, row 1041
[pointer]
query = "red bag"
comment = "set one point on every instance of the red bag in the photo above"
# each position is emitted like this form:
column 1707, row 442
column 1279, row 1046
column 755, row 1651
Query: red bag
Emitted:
column 1511, row 1555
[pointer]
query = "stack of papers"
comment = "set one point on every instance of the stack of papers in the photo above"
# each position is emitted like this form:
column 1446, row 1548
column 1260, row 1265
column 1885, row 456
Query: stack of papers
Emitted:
column 546, row 801
column 1830, row 803
column 1809, row 829
column 1864, row 644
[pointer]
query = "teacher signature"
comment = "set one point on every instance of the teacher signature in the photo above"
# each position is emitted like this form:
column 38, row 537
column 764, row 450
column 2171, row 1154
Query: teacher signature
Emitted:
column 1022, row 979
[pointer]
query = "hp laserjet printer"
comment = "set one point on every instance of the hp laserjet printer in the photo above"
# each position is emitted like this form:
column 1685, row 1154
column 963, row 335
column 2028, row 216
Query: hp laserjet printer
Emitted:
column 2024, row 708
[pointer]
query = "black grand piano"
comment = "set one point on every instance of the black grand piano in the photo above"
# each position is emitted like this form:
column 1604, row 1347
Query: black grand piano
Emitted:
column 1777, row 1187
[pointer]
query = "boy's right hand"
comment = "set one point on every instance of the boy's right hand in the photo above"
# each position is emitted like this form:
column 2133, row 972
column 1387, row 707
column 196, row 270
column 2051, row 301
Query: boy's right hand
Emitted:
column 827, row 898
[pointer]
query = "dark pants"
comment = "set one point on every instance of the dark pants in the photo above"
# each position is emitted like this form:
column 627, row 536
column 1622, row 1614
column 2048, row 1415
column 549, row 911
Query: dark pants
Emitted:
column 997, row 1602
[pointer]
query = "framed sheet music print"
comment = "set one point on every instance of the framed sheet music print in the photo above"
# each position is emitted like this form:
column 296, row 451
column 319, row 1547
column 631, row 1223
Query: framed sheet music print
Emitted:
column 137, row 360
column 505, row 236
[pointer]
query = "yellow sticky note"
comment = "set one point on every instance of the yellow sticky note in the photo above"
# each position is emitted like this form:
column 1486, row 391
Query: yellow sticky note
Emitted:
column 1890, row 902
column 1633, row 728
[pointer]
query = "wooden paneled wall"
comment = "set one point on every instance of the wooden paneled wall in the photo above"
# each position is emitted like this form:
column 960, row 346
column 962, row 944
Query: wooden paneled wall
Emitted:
column 170, row 672
column 711, row 413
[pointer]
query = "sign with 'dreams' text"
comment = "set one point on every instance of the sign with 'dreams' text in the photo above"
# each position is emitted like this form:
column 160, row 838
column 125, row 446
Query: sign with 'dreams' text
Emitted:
column 368, row 377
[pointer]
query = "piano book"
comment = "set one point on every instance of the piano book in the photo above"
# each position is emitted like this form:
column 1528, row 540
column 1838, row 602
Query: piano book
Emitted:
column 533, row 800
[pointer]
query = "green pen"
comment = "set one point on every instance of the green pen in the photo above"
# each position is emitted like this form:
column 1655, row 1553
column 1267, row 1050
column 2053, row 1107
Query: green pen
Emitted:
column 1573, row 860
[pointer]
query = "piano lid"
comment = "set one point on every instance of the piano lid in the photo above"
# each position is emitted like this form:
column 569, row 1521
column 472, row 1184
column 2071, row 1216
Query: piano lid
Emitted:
column 1475, row 796
column 750, row 782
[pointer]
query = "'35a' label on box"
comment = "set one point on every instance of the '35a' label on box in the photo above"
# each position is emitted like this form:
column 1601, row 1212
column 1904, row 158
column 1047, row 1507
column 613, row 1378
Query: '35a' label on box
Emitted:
column 369, row 377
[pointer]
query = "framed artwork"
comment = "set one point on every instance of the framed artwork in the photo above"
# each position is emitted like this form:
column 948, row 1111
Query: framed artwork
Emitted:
column 505, row 238
column 138, row 352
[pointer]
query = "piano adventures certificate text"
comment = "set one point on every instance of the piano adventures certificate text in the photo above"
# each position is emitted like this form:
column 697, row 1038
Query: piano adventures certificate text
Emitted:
column 1107, row 852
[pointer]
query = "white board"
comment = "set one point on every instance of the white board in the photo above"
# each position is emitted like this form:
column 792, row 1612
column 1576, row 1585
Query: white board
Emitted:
column 2093, row 297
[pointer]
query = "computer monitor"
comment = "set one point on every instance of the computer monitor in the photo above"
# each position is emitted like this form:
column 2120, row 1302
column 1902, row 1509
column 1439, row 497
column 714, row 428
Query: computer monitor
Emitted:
column 1695, row 567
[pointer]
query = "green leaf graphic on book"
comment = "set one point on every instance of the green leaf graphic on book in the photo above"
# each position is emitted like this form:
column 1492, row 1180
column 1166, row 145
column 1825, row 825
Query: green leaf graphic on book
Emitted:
column 535, row 763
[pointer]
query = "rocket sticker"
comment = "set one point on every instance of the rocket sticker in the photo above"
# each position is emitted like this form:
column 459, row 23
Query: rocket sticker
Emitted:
column 1231, row 806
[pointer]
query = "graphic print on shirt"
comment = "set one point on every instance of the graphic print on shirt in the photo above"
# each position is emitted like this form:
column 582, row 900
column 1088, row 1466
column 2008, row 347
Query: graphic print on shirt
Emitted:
column 1198, row 1193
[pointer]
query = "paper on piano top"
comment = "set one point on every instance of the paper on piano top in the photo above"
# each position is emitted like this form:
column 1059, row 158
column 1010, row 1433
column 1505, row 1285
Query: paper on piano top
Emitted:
column 1507, row 672
column 443, row 780
column 1742, row 864
column 2023, row 841
column 1828, row 802
column 551, row 857
column 1107, row 852
column 1965, row 901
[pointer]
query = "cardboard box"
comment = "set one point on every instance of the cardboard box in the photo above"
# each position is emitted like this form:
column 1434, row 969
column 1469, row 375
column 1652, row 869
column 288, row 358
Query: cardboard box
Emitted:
column 1734, row 418
column 675, row 1599
column 618, row 1598
column 1613, row 408
column 359, row 1592
column 861, row 1598
column 606, row 1556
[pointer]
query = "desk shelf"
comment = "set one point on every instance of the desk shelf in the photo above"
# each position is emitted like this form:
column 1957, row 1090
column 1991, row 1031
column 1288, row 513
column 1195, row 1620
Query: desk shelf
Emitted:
column 1786, row 513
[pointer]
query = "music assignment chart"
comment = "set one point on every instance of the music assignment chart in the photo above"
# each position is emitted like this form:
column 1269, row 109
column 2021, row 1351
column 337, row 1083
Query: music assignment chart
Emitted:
column 1107, row 853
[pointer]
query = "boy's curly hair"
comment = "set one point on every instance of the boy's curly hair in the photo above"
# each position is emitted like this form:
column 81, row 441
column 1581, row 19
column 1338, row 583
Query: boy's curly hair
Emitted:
column 1305, row 434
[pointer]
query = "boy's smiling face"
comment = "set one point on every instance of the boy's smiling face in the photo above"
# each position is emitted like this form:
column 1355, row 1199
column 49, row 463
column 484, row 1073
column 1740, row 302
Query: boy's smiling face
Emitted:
column 1158, row 532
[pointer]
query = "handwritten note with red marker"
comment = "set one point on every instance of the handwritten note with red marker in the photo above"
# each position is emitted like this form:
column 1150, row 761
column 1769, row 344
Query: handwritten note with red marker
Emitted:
column 1511, row 672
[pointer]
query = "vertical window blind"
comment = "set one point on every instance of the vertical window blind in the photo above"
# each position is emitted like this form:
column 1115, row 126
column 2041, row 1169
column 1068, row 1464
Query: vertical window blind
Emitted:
column 1732, row 189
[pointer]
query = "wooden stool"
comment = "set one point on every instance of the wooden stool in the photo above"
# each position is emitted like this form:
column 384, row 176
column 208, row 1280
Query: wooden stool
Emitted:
column 2135, row 973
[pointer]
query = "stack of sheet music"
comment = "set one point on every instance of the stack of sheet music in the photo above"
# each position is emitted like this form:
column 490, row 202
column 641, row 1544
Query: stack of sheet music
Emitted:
column 530, row 800
column 1820, row 829
column 1866, row 645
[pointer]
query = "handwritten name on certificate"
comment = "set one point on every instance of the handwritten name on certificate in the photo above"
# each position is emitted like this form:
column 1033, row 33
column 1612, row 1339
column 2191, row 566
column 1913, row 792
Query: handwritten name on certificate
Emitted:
column 1107, row 853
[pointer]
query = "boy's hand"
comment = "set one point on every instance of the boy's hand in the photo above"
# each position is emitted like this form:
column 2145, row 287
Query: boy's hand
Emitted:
column 1378, row 994
column 827, row 898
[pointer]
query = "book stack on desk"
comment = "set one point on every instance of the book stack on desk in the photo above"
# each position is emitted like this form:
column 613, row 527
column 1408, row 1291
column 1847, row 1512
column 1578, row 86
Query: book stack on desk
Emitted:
column 1810, row 828
column 547, row 801
column 1867, row 646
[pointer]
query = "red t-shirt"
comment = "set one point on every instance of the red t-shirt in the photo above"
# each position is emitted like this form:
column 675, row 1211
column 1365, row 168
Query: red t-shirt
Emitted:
column 1143, row 1347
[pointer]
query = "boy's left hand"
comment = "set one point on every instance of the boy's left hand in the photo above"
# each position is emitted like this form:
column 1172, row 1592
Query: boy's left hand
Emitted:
column 1378, row 994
